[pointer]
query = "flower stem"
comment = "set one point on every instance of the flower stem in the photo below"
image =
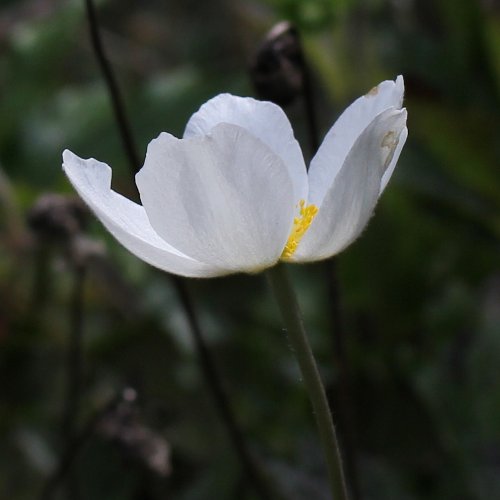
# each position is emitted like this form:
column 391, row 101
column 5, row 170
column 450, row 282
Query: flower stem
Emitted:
column 290, row 311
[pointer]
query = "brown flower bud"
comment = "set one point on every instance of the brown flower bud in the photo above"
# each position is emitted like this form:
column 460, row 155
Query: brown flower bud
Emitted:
column 276, row 69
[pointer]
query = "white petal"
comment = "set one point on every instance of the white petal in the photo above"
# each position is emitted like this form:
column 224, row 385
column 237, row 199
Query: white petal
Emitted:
column 341, row 137
column 350, row 201
column 264, row 120
column 126, row 220
column 225, row 198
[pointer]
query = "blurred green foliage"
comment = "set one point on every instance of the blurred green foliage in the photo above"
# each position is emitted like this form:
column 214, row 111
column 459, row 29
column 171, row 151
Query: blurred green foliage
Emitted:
column 420, row 289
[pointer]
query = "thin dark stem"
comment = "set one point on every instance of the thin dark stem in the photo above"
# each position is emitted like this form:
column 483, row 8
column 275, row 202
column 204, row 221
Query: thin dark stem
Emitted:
column 74, row 368
column 74, row 358
column 42, row 283
column 207, row 364
column 114, row 91
column 310, row 108
column 253, row 472
column 344, row 408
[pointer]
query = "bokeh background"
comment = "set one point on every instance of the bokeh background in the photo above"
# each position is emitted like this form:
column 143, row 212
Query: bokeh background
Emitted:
column 420, row 290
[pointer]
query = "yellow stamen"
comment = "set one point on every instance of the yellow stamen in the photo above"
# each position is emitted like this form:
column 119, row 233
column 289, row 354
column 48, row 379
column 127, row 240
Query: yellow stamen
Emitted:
column 300, row 226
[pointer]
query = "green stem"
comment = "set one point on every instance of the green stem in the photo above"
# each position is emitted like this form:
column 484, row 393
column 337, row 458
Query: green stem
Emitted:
column 290, row 311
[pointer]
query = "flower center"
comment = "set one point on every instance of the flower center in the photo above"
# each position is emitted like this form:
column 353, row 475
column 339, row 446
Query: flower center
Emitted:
column 300, row 226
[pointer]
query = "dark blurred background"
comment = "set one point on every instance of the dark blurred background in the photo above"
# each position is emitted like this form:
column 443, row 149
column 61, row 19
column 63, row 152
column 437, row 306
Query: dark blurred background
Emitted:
column 420, row 290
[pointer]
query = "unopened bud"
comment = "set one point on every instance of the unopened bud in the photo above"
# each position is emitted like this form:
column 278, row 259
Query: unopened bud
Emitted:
column 277, row 70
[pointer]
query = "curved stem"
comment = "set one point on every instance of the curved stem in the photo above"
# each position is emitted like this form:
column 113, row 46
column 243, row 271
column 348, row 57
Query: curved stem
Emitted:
column 289, row 308
column 114, row 91
column 249, row 464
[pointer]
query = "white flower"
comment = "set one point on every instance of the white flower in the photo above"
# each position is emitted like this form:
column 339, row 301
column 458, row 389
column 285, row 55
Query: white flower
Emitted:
column 234, row 196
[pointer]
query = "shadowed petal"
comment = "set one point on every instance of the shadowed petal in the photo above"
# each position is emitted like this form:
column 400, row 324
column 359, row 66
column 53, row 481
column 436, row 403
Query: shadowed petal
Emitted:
column 264, row 120
column 350, row 201
column 127, row 221
column 224, row 198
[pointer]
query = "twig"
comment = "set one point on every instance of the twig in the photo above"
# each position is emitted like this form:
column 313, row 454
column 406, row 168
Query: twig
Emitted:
column 207, row 364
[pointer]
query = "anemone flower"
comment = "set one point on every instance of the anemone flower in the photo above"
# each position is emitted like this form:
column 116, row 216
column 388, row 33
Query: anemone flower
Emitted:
column 234, row 195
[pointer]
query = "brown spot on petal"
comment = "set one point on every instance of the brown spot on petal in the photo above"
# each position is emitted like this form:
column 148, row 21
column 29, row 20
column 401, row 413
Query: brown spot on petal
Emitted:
column 390, row 141
column 372, row 92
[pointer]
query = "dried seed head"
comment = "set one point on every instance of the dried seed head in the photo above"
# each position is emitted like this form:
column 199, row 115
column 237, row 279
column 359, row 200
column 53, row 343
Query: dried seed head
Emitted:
column 55, row 217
